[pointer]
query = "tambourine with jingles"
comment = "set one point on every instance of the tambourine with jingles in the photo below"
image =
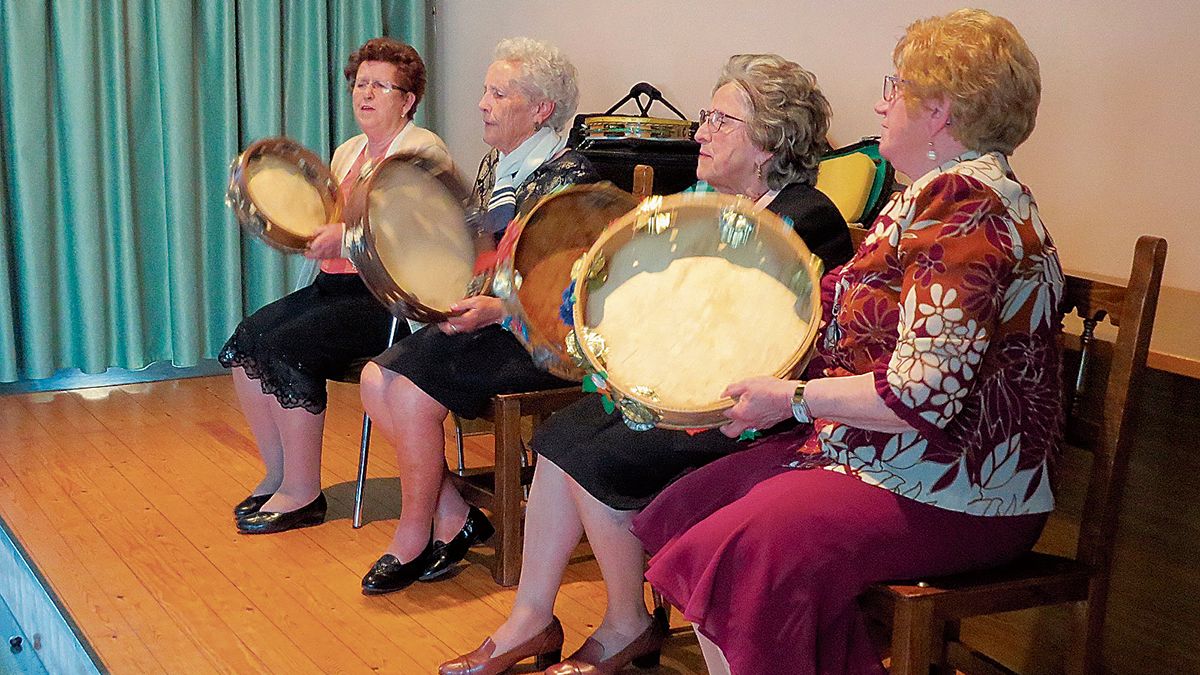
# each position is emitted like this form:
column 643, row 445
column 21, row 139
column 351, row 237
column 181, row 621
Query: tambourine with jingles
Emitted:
column 534, row 264
column 409, row 234
column 282, row 193
column 686, row 295
column 646, row 128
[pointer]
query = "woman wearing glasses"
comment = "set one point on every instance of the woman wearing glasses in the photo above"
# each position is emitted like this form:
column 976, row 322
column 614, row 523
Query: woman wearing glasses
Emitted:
column 282, row 354
column 932, row 423
column 762, row 138
column 529, row 96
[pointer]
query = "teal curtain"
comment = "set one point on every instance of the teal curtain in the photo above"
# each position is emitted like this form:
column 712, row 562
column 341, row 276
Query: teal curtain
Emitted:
column 118, row 119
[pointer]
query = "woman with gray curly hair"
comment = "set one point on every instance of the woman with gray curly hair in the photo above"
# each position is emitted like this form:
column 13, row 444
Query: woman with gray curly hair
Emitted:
column 459, row 364
column 762, row 138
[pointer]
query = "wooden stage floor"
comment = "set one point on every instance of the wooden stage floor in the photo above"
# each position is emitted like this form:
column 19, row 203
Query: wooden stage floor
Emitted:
column 122, row 496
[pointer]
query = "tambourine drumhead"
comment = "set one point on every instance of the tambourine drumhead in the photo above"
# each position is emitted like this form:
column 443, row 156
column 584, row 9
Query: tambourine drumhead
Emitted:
column 282, row 193
column 409, row 237
column 689, row 294
column 628, row 126
column 535, row 263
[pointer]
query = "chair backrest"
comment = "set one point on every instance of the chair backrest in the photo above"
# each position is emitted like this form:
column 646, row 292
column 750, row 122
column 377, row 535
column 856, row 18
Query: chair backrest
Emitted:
column 858, row 180
column 847, row 181
column 1098, row 406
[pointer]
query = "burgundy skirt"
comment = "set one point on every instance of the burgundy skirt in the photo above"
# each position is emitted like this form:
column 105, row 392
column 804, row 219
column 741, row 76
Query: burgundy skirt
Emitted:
column 768, row 560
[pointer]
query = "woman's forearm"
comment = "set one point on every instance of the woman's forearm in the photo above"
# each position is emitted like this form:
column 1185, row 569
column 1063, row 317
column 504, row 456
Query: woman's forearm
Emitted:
column 852, row 400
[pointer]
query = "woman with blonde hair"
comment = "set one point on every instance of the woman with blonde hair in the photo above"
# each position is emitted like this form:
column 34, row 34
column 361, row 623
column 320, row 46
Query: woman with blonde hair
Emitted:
column 930, row 417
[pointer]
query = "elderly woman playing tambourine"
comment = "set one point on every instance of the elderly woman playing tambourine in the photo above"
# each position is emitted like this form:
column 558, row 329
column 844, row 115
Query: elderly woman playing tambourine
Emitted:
column 932, row 417
column 282, row 354
column 529, row 95
column 762, row 137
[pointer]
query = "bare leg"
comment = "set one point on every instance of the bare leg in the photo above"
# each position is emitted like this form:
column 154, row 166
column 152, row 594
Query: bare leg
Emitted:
column 552, row 530
column 301, row 432
column 412, row 421
column 452, row 509
column 713, row 657
column 622, row 564
column 256, row 406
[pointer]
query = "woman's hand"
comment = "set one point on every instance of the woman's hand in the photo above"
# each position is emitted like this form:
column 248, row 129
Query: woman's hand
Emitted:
column 327, row 243
column 473, row 313
column 761, row 403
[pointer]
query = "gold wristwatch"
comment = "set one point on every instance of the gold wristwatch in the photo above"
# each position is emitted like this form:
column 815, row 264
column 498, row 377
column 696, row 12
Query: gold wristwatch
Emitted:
column 800, row 407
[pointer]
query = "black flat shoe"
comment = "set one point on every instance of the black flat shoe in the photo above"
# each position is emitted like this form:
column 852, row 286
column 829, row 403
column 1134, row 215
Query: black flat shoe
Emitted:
column 251, row 504
column 270, row 522
column 388, row 574
column 445, row 555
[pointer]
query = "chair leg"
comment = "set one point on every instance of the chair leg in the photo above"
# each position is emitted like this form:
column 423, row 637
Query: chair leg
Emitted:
column 913, row 639
column 507, row 420
column 950, row 633
column 1085, row 654
column 661, row 606
column 361, row 484
column 458, row 441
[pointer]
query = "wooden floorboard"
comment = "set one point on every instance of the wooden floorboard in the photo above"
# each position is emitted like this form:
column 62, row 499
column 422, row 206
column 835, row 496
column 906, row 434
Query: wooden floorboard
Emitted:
column 121, row 495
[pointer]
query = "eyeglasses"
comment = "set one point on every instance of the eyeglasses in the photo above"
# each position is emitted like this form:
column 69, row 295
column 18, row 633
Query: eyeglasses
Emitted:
column 383, row 87
column 716, row 118
column 891, row 84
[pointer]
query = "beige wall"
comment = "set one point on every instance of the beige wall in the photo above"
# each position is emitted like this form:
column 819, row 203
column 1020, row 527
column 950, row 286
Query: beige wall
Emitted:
column 1111, row 158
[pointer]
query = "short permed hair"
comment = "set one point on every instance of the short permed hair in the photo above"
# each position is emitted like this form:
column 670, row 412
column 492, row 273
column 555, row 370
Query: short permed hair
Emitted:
column 789, row 115
column 982, row 65
column 409, row 65
column 546, row 75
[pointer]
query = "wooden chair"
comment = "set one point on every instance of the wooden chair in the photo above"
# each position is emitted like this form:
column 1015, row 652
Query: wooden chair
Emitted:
column 499, row 488
column 924, row 615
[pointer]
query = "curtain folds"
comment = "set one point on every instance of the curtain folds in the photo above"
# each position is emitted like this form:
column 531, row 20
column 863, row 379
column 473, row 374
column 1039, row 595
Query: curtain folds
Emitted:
column 117, row 124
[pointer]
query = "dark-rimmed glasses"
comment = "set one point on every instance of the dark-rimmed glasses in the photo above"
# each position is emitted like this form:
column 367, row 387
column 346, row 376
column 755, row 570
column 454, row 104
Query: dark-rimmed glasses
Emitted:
column 891, row 84
column 384, row 87
column 716, row 118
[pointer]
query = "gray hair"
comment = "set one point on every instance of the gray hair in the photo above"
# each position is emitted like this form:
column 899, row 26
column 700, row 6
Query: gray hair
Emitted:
column 546, row 75
column 789, row 115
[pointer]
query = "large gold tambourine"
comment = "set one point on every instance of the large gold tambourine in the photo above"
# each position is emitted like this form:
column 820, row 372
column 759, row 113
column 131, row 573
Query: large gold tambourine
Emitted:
column 408, row 234
column 534, row 263
column 686, row 295
column 282, row 193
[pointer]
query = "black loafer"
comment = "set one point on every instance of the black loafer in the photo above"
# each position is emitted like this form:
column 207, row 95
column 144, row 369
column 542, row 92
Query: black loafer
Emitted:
column 270, row 522
column 445, row 555
column 251, row 504
column 388, row 574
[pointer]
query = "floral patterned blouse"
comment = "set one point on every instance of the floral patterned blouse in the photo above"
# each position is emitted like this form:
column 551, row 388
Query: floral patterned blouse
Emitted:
column 952, row 303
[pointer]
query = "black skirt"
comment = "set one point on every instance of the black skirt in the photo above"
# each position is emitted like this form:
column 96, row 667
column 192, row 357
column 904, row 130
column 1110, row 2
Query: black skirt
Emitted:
column 324, row 331
column 621, row 467
column 463, row 371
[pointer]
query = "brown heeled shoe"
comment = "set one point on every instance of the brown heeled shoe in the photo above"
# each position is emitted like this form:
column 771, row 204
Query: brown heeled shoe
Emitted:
column 546, row 646
column 643, row 652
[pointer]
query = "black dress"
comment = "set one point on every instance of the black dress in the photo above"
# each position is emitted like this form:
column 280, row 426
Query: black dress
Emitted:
column 324, row 331
column 625, row 469
column 463, row 371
